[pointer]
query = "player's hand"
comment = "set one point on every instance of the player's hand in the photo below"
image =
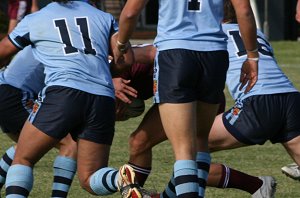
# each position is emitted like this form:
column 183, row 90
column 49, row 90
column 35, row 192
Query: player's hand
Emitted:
column 249, row 72
column 123, row 90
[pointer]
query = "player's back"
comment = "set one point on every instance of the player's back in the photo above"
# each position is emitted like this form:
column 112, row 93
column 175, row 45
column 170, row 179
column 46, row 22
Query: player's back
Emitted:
column 24, row 72
column 182, row 22
column 271, row 79
column 72, row 41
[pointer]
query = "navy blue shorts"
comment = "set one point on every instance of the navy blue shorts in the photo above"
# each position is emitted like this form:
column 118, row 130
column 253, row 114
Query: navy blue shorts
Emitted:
column 15, row 106
column 182, row 76
column 274, row 117
column 61, row 110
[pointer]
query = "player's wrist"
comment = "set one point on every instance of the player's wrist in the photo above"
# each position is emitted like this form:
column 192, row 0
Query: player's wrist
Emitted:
column 252, row 55
column 253, row 59
column 123, row 47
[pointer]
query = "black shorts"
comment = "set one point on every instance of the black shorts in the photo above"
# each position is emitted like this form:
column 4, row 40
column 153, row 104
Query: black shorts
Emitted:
column 15, row 106
column 274, row 117
column 182, row 76
column 61, row 110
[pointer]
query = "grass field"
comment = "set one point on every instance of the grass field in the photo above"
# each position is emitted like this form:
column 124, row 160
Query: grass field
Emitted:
column 256, row 160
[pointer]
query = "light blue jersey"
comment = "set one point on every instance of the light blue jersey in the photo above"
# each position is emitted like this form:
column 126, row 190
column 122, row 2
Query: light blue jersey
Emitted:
column 72, row 41
column 190, row 24
column 271, row 79
column 24, row 72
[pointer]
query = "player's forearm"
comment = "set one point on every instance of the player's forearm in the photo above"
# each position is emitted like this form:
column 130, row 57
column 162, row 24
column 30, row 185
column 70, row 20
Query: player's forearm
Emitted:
column 126, row 28
column 128, row 19
column 7, row 50
column 247, row 25
column 248, row 33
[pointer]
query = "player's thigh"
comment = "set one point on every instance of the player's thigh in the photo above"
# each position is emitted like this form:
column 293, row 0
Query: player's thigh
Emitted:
column 32, row 145
column 179, row 122
column 67, row 147
column 220, row 138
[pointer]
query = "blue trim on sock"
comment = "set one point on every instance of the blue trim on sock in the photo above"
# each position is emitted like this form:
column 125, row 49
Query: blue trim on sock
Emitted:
column 101, row 181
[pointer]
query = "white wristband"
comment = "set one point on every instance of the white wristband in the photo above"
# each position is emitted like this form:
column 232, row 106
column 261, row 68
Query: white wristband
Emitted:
column 253, row 59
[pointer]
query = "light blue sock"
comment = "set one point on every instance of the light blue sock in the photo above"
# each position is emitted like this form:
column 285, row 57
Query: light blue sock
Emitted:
column 19, row 181
column 104, row 181
column 186, row 178
column 64, row 171
column 5, row 163
column 169, row 192
column 203, row 160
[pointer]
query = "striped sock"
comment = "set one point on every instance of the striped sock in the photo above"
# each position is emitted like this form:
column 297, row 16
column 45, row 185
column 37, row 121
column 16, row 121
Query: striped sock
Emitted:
column 64, row 171
column 5, row 163
column 203, row 160
column 169, row 192
column 19, row 181
column 186, row 179
column 141, row 173
column 104, row 181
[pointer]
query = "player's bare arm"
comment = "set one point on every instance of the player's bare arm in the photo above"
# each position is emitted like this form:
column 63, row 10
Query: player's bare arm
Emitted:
column 127, row 23
column 7, row 50
column 246, row 21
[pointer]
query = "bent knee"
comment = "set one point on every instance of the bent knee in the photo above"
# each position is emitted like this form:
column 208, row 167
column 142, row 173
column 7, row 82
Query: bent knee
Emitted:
column 85, row 183
column 138, row 143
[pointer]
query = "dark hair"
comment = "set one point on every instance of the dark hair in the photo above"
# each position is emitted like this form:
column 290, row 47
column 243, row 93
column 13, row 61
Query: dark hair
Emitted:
column 229, row 12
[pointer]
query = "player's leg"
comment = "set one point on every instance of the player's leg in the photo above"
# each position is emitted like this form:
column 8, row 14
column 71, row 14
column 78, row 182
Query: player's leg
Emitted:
column 64, row 167
column 179, row 122
column 52, row 116
column 177, row 85
column 205, row 115
column 292, row 147
column 148, row 134
column 290, row 134
column 20, row 175
column 236, row 128
column 13, row 114
column 93, row 157
column 5, row 163
column 7, row 158
column 94, row 144
column 220, row 138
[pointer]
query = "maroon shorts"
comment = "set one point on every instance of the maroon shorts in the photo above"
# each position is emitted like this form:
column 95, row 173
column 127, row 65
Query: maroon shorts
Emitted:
column 17, row 9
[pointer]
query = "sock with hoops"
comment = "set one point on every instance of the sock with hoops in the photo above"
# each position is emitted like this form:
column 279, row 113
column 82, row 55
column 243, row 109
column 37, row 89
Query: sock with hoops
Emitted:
column 64, row 171
column 169, row 191
column 203, row 160
column 19, row 181
column 5, row 163
column 235, row 179
column 104, row 181
column 141, row 173
column 186, row 178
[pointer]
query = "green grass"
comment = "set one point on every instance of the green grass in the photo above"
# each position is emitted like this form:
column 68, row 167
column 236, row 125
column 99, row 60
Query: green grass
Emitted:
column 256, row 160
